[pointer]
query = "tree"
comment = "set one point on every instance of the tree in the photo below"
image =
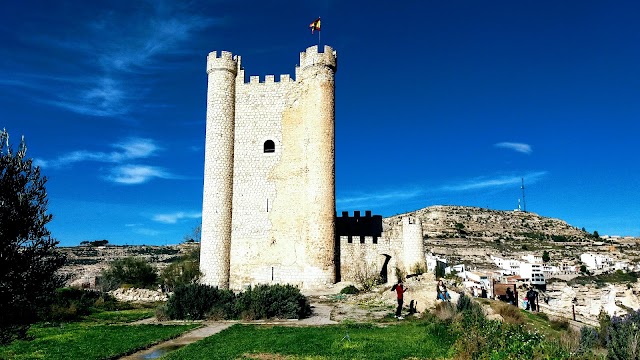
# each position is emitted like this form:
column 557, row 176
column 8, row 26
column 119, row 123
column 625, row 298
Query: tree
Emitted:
column 195, row 235
column 131, row 271
column 29, row 259
column 183, row 272
column 596, row 235
column 545, row 256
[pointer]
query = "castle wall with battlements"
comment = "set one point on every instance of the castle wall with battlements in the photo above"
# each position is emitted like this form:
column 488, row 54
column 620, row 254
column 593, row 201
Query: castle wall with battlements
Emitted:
column 269, row 190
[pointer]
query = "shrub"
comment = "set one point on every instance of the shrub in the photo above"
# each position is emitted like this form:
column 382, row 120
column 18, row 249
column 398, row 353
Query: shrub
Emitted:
column 130, row 270
column 588, row 339
column 604, row 320
column 183, row 272
column 623, row 337
column 419, row 268
column 71, row 304
column 464, row 303
column 197, row 301
column 272, row 301
column 510, row 313
column 559, row 324
column 349, row 290
column 444, row 310
column 367, row 277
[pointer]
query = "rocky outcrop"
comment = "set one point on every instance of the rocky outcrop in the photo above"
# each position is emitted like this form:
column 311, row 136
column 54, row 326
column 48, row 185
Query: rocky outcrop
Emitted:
column 138, row 295
column 588, row 300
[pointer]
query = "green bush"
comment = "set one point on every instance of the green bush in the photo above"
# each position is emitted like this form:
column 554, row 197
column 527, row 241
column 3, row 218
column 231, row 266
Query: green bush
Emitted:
column 349, row 290
column 272, row 301
column 198, row 301
column 181, row 273
column 464, row 303
column 135, row 272
column 559, row 324
column 623, row 336
column 70, row 304
column 588, row 339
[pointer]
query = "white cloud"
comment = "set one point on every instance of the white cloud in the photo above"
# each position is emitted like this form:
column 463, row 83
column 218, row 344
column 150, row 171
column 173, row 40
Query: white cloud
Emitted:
column 174, row 217
column 383, row 198
column 495, row 182
column 378, row 197
column 146, row 231
column 129, row 149
column 519, row 147
column 137, row 174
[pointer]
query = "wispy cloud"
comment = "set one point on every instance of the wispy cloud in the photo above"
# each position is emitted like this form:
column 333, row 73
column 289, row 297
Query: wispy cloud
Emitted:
column 146, row 231
column 493, row 182
column 175, row 217
column 379, row 197
column 386, row 197
column 129, row 149
column 519, row 147
column 138, row 174
column 119, row 49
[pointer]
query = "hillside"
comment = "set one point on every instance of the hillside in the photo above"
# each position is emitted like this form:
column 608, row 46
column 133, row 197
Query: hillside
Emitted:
column 471, row 234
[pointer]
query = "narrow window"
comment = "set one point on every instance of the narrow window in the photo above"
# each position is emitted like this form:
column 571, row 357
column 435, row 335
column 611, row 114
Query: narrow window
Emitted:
column 269, row 146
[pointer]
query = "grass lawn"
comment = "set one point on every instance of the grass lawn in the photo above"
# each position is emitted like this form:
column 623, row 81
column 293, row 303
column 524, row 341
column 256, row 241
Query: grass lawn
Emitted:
column 94, row 338
column 411, row 339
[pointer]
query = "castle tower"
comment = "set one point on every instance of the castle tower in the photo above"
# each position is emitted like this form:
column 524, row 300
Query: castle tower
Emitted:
column 269, row 192
column 218, row 170
column 316, row 75
column 412, row 243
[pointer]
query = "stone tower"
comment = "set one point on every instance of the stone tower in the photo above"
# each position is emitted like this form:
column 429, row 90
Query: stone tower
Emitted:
column 269, row 190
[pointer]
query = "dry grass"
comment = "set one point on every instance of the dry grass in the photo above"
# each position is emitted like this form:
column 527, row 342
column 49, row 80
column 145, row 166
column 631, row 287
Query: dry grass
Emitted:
column 509, row 313
column 445, row 310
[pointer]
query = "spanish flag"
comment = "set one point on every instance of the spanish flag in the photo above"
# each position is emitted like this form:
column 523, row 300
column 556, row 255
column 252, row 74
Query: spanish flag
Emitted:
column 315, row 25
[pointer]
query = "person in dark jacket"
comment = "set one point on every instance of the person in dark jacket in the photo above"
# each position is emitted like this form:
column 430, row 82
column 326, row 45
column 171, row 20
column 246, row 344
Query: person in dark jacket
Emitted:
column 532, row 295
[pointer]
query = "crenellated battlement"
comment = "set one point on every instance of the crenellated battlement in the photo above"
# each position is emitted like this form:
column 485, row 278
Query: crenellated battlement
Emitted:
column 223, row 60
column 312, row 57
column 269, row 79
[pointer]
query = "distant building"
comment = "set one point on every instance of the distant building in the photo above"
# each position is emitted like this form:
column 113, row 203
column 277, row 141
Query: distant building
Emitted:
column 533, row 259
column 509, row 266
column 596, row 261
column 532, row 273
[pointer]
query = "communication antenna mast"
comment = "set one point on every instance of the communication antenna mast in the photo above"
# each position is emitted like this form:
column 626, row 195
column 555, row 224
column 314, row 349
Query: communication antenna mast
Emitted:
column 524, row 203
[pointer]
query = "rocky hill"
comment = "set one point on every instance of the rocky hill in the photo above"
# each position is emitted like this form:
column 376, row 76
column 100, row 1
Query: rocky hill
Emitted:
column 84, row 263
column 471, row 235
column 460, row 233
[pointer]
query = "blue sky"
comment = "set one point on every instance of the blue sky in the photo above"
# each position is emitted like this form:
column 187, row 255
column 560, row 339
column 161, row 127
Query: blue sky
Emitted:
column 437, row 102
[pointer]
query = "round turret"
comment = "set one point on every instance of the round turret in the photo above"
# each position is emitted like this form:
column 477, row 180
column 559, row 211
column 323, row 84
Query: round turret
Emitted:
column 311, row 57
column 218, row 172
column 225, row 61
column 316, row 76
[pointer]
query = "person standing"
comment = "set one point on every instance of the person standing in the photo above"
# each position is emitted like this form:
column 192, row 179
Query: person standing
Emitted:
column 400, row 290
column 532, row 295
column 510, row 297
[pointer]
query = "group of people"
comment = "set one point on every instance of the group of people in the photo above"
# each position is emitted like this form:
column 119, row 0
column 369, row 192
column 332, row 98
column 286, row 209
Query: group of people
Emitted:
column 400, row 289
column 530, row 301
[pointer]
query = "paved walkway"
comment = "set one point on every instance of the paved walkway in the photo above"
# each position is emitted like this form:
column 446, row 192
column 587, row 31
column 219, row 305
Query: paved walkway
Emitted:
column 320, row 316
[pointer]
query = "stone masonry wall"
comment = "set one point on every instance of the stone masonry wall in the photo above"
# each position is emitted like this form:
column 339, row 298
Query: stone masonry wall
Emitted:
column 218, row 169
column 283, row 202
